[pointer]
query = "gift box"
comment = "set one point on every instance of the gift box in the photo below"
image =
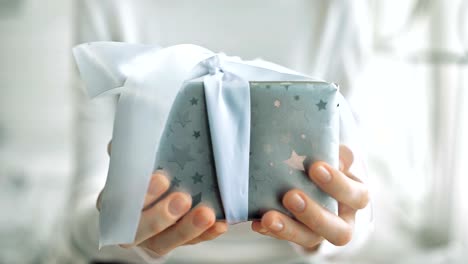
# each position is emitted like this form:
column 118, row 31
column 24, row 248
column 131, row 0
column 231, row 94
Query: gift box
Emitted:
column 292, row 125
column 234, row 134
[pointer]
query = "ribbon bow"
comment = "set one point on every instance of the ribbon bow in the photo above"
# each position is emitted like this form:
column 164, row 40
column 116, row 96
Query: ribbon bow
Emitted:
column 148, row 80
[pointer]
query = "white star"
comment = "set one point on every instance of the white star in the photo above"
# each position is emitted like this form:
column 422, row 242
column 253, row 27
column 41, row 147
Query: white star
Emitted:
column 277, row 103
column 295, row 161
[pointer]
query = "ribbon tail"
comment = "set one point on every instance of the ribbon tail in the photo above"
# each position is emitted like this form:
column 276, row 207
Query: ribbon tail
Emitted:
column 228, row 105
column 142, row 113
column 132, row 157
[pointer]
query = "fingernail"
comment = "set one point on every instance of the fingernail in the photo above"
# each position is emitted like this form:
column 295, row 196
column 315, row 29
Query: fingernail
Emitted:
column 262, row 230
column 201, row 220
column 297, row 204
column 277, row 225
column 321, row 174
column 341, row 165
column 177, row 206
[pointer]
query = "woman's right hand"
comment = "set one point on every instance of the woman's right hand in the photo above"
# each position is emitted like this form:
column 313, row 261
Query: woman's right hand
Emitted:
column 170, row 223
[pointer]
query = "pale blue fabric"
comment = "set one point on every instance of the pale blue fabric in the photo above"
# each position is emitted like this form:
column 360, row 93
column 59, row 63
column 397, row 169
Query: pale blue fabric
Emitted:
column 153, row 77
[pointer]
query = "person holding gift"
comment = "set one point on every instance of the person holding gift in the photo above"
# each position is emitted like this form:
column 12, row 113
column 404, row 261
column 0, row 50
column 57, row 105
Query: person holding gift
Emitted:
column 311, row 228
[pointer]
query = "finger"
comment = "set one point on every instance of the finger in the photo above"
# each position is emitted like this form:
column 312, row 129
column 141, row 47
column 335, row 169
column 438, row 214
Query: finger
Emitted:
column 213, row 232
column 339, row 186
column 346, row 158
column 161, row 216
column 158, row 185
column 259, row 228
column 191, row 226
column 284, row 227
column 317, row 218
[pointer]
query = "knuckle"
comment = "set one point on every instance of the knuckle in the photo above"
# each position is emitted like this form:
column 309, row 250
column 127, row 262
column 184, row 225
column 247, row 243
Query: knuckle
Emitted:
column 316, row 220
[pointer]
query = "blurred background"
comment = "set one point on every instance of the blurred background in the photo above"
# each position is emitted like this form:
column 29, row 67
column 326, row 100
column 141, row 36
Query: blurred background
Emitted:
column 412, row 106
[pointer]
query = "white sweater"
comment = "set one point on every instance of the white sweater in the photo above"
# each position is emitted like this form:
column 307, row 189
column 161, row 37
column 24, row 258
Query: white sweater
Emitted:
column 327, row 39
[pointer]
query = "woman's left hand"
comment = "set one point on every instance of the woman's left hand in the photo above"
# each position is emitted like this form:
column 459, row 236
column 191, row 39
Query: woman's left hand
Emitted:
column 312, row 222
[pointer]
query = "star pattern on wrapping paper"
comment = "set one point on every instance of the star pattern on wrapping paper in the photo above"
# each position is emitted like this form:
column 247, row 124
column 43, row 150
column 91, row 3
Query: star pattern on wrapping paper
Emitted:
column 183, row 119
column 277, row 103
column 181, row 156
column 196, row 199
column 321, row 105
column 295, row 161
column 197, row 178
column 194, row 101
column 196, row 134
column 175, row 182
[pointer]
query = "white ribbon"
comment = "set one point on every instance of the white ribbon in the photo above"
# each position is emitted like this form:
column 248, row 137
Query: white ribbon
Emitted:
column 153, row 78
